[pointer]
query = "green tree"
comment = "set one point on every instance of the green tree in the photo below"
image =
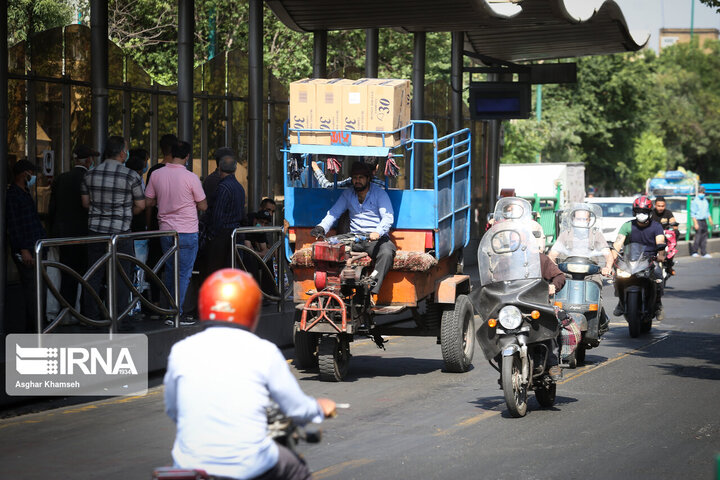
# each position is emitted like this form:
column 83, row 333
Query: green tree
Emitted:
column 650, row 156
column 26, row 17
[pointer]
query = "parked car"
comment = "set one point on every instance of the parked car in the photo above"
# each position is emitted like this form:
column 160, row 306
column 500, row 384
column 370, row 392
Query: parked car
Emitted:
column 615, row 212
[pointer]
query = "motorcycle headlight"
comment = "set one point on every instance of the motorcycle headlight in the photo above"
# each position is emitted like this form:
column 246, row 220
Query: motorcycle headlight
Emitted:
column 578, row 268
column 510, row 317
column 622, row 274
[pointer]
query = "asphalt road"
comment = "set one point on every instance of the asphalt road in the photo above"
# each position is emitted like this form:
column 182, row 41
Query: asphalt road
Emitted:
column 641, row 408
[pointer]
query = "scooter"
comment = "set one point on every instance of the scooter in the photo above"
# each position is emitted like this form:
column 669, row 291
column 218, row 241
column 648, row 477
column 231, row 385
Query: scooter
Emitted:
column 581, row 298
column 520, row 322
column 670, row 252
column 281, row 429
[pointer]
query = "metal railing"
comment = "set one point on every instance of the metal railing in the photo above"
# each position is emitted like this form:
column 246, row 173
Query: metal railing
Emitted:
column 111, row 261
column 277, row 270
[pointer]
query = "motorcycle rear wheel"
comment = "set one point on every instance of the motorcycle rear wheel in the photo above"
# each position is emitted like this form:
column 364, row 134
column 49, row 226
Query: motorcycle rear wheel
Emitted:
column 333, row 358
column 546, row 396
column 513, row 388
column 633, row 314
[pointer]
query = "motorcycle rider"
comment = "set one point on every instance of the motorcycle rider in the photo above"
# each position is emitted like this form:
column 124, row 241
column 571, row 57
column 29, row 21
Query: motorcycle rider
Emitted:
column 370, row 211
column 666, row 218
column 219, row 381
column 649, row 233
column 582, row 228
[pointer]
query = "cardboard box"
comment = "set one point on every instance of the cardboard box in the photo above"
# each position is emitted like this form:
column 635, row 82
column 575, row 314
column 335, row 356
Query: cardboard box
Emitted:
column 302, row 109
column 388, row 109
column 329, row 108
column 355, row 110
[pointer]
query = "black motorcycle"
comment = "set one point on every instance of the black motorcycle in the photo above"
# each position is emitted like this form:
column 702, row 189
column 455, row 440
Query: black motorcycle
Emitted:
column 281, row 429
column 638, row 285
column 519, row 320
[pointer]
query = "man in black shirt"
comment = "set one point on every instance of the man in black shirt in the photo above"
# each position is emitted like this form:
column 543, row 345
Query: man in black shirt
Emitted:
column 68, row 218
column 662, row 215
column 665, row 218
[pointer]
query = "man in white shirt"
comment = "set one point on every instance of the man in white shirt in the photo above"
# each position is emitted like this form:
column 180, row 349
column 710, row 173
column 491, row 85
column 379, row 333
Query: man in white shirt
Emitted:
column 219, row 381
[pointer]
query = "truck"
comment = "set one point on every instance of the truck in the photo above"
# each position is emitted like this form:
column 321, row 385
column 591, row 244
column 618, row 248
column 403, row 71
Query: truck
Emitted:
column 543, row 179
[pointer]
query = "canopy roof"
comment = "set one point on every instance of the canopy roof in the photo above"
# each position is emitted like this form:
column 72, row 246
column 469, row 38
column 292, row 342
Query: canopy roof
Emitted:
column 511, row 30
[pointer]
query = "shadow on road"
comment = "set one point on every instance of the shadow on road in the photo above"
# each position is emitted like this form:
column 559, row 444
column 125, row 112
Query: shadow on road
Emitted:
column 703, row 349
column 368, row 366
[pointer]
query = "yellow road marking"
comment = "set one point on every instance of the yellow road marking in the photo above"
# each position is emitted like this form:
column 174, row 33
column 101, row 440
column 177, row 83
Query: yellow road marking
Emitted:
column 40, row 417
column 613, row 360
column 333, row 470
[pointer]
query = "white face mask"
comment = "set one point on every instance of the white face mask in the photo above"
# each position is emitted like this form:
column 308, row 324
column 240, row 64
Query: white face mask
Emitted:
column 642, row 217
column 581, row 223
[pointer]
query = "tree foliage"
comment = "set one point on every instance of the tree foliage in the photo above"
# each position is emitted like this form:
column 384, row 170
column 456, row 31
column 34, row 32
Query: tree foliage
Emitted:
column 630, row 115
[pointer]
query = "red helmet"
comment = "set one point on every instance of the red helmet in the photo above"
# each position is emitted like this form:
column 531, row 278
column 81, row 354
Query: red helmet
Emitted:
column 230, row 295
column 642, row 203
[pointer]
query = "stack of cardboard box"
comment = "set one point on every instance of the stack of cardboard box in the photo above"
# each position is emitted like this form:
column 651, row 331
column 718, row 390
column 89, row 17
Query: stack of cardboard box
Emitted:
column 341, row 106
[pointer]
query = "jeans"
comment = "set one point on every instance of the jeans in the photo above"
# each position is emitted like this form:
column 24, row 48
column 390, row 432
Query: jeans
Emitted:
column 187, row 251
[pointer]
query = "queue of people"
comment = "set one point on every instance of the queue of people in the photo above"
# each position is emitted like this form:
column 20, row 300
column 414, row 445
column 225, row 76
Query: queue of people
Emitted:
column 119, row 194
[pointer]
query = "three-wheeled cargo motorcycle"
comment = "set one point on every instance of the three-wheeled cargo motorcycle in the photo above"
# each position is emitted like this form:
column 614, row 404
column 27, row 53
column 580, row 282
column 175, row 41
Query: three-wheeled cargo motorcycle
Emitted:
column 431, row 226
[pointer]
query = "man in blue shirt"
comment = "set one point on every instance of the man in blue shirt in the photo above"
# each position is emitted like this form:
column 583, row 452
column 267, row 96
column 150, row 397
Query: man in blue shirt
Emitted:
column 700, row 213
column 370, row 213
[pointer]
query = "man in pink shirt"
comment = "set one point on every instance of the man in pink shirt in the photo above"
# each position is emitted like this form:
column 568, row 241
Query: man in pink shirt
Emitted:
column 178, row 194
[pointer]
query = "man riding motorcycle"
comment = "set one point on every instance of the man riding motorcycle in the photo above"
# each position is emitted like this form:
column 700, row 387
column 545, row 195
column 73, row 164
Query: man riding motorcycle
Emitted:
column 219, row 381
column 370, row 212
column 582, row 228
column 649, row 233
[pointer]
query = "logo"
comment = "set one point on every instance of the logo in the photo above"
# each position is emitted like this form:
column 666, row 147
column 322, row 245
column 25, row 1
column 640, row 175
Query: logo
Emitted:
column 76, row 364
column 44, row 361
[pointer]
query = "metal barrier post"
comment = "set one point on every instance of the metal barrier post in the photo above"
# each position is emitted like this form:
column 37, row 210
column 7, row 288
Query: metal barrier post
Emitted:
column 112, row 294
column 176, row 278
column 38, row 285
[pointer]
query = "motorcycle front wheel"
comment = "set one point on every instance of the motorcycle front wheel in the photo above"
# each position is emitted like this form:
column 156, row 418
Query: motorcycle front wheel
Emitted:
column 633, row 314
column 514, row 386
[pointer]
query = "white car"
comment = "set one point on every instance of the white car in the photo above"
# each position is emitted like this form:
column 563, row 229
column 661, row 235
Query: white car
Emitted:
column 615, row 212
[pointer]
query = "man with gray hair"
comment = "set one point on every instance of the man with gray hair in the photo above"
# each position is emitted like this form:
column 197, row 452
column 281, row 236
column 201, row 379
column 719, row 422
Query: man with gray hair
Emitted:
column 225, row 216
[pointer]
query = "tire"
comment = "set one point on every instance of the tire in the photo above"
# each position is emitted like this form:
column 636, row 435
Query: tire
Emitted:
column 646, row 325
column 572, row 359
column 306, row 347
column 633, row 314
column 545, row 396
column 333, row 358
column 580, row 354
column 513, row 389
column 457, row 336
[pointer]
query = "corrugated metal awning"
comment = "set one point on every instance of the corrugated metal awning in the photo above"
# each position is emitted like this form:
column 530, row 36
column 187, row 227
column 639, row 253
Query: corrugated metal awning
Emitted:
column 536, row 30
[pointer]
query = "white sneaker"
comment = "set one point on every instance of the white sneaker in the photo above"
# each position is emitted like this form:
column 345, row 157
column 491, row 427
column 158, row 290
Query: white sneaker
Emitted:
column 707, row 255
column 695, row 255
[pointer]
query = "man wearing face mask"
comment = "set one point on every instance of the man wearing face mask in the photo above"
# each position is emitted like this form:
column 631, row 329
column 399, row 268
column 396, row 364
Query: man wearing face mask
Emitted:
column 591, row 237
column 24, row 229
column 370, row 212
column 700, row 213
column 649, row 233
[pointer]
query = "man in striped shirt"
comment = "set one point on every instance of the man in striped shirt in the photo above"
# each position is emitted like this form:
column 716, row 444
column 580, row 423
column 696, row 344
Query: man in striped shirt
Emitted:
column 113, row 194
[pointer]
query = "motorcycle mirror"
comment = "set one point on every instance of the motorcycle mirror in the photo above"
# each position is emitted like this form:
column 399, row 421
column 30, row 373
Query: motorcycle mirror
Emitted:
column 313, row 435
